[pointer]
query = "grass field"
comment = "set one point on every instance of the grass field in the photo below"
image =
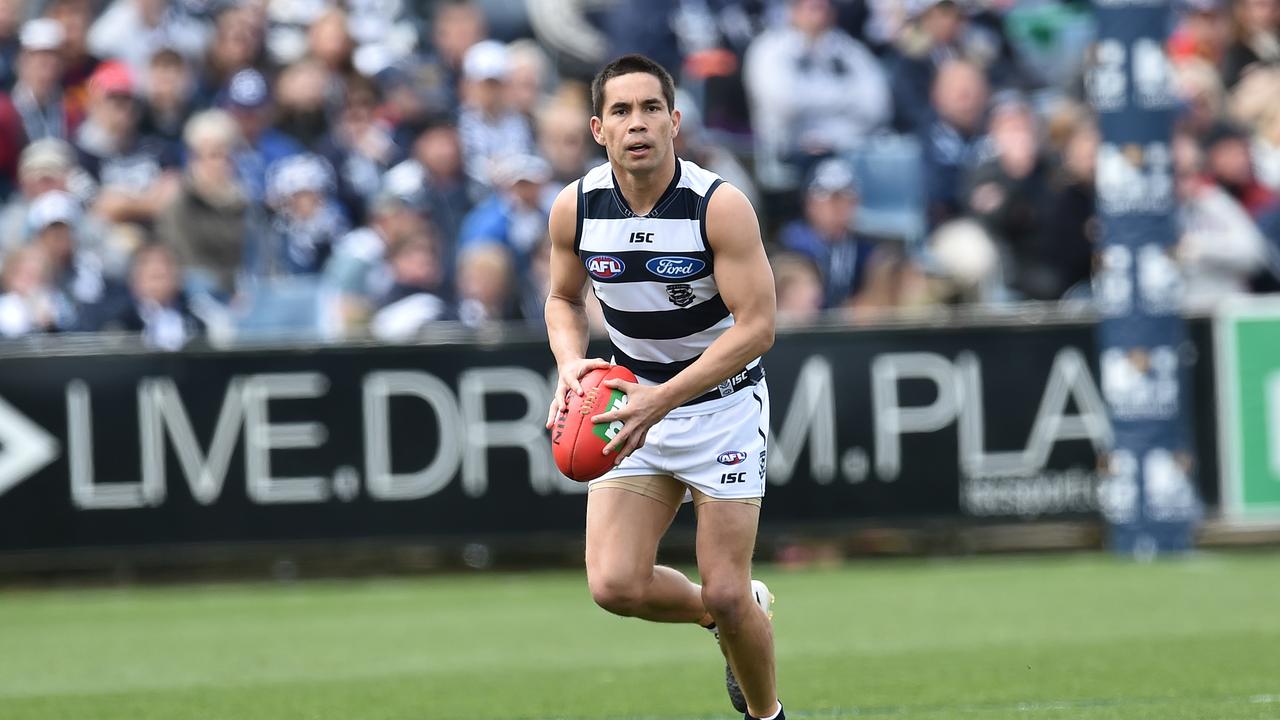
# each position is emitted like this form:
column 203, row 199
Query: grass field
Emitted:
column 1063, row 637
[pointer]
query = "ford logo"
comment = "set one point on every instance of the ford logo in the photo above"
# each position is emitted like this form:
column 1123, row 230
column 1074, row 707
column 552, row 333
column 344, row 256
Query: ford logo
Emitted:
column 605, row 267
column 731, row 458
column 675, row 267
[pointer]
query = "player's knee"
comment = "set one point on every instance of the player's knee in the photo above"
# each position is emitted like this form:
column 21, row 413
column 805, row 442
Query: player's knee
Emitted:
column 727, row 602
column 619, row 595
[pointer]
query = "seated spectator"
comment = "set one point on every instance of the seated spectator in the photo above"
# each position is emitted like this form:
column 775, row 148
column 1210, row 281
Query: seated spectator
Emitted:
column 1202, row 32
column 696, row 144
column 137, row 175
column 456, row 26
column 45, row 165
column 485, row 283
column 814, row 91
column 35, row 108
column 432, row 180
column 1253, row 104
column 529, row 71
column 416, row 298
column 212, row 219
column 489, row 128
column 1008, row 194
column 1229, row 164
column 167, row 101
column 29, row 304
column 952, row 142
column 78, row 63
column 156, row 306
column 358, row 273
column 1200, row 88
column 939, row 33
column 1219, row 246
column 360, row 147
column 307, row 222
column 1068, row 233
column 801, row 297
column 301, row 98
column 132, row 30
column 1256, row 41
column 825, row 235
column 74, row 272
column 248, row 99
column 11, row 15
column 237, row 45
column 514, row 217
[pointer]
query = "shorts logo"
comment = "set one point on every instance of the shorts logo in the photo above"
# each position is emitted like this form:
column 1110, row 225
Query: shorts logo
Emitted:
column 675, row 268
column 605, row 267
column 733, row 457
column 680, row 295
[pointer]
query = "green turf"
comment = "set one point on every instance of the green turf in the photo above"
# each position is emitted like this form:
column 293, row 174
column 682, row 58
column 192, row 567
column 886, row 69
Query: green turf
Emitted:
column 1078, row 637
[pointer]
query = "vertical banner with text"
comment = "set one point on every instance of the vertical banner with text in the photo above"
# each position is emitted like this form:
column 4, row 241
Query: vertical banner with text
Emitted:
column 1148, row 496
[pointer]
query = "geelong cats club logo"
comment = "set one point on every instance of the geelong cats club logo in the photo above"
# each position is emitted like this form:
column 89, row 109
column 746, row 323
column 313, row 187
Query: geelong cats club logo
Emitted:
column 604, row 267
column 680, row 295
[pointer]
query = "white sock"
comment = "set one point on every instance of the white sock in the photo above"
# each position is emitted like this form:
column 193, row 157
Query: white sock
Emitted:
column 776, row 713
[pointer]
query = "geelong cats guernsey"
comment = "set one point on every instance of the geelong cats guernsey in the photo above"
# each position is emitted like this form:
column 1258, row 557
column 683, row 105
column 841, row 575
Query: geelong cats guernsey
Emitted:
column 653, row 276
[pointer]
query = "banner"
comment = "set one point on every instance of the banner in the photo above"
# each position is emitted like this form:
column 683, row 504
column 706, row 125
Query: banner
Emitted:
column 1247, row 333
column 1149, row 498
column 998, row 423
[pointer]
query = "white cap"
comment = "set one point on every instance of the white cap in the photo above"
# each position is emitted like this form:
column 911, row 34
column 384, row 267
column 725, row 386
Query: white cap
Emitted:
column 42, row 34
column 52, row 207
column 298, row 173
column 509, row 170
column 486, row 60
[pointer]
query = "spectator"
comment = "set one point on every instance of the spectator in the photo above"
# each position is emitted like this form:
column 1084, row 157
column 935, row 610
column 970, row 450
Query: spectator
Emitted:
column 35, row 108
column 526, row 83
column 1228, row 163
column 302, row 99
column 939, row 33
column 167, row 102
column 952, row 142
column 28, row 303
column 489, row 128
column 455, row 27
column 307, row 222
column 565, row 141
column 1256, row 41
column 137, row 175
column 800, row 292
column 514, row 217
column 696, row 144
column 237, row 45
column 485, row 282
column 1008, row 193
column 76, row 274
column 1200, row 88
column 1253, row 103
column 360, row 147
column 825, row 235
column 132, row 30
column 78, row 63
column 359, row 273
column 1068, row 231
column 432, row 181
column 1219, row 246
column 211, row 221
column 329, row 42
column 1202, row 32
column 156, row 305
column 248, row 99
column 416, row 297
column 814, row 91
column 45, row 165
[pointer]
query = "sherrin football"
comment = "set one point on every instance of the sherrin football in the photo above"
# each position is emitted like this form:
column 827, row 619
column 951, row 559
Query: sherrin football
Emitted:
column 577, row 443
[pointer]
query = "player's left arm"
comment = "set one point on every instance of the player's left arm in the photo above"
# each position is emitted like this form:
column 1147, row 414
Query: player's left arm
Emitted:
column 745, row 282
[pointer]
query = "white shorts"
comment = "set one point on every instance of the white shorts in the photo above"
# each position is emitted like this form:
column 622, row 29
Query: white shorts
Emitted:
column 721, row 453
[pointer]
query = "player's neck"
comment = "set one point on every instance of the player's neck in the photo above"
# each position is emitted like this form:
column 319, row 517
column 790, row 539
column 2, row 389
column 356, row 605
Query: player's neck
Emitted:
column 643, row 191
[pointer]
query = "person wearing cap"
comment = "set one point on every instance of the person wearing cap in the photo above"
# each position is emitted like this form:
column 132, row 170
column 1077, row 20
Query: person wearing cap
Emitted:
column 939, row 31
column 306, row 223
column 490, row 129
column 131, row 30
column 247, row 98
column 75, row 272
column 1202, row 32
column 50, row 165
column 35, row 108
column 137, row 174
column 825, row 234
column 1228, row 163
column 814, row 90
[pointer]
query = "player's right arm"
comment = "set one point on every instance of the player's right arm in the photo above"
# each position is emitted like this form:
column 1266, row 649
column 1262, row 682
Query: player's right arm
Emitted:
column 565, row 312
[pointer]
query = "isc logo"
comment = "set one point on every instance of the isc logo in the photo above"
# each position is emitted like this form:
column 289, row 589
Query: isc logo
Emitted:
column 605, row 266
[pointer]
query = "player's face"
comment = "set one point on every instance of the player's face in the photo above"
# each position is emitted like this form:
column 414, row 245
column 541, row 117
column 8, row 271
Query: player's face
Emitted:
column 636, row 126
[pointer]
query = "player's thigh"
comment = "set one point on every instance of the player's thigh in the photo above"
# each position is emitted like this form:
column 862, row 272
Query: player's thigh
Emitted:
column 726, row 540
column 625, row 525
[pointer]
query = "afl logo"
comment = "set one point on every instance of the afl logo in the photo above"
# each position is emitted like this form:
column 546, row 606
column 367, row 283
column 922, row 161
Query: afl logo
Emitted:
column 605, row 267
column 675, row 267
column 731, row 458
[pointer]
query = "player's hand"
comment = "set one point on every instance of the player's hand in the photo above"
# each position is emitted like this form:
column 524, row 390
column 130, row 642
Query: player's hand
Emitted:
column 645, row 407
column 570, row 376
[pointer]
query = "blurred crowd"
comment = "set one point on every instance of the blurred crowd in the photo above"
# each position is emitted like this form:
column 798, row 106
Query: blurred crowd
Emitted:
column 321, row 169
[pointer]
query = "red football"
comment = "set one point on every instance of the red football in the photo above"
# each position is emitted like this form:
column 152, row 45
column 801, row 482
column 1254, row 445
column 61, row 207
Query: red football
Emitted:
column 577, row 443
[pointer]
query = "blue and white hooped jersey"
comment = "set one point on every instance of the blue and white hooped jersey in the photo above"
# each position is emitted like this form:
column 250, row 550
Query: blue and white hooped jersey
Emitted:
column 653, row 276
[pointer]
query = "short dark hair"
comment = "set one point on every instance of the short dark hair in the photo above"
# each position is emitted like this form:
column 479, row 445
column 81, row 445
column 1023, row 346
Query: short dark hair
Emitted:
column 626, row 65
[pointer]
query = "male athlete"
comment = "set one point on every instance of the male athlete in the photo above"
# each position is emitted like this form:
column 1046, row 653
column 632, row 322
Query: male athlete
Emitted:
column 675, row 258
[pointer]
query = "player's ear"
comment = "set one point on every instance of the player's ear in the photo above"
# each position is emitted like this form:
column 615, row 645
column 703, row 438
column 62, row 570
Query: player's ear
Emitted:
column 596, row 130
column 675, row 123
